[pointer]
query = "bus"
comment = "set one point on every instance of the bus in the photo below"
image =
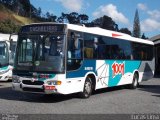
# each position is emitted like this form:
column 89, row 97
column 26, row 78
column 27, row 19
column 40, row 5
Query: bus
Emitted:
column 7, row 52
column 156, row 40
column 54, row 58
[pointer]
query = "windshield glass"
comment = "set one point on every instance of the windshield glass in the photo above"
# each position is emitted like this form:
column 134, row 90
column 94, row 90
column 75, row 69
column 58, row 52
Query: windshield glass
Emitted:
column 3, row 54
column 41, row 53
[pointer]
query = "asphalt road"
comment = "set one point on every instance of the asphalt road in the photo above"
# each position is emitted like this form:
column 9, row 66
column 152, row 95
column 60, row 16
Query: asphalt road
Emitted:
column 119, row 100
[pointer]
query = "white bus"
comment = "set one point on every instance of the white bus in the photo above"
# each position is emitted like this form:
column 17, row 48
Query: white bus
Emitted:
column 7, row 52
column 64, row 58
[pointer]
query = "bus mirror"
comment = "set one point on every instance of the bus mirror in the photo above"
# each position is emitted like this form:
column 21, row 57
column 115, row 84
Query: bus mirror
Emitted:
column 11, row 58
column 11, row 43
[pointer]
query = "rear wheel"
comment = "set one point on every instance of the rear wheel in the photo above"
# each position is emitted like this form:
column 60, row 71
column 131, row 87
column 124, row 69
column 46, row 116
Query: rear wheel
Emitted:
column 134, row 82
column 87, row 90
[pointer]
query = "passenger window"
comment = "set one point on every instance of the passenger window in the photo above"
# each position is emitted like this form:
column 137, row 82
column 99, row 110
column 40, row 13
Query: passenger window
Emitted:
column 74, row 51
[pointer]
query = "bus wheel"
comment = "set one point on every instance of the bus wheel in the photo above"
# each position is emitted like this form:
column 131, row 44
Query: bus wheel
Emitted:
column 134, row 82
column 87, row 90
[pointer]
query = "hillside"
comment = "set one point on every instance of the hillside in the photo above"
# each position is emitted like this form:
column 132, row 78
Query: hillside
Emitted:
column 10, row 22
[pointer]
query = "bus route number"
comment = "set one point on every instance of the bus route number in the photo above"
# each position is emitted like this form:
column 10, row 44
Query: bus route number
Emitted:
column 118, row 69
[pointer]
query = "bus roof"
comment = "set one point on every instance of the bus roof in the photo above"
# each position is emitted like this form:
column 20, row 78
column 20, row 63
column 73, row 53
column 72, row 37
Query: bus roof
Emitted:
column 98, row 31
column 108, row 33
column 5, row 37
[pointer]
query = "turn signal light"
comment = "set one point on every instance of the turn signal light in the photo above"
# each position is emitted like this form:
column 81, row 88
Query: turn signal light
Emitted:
column 59, row 82
column 54, row 82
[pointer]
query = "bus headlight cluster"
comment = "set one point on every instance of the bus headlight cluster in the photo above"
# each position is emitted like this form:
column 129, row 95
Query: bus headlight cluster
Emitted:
column 16, row 79
column 4, row 71
column 54, row 82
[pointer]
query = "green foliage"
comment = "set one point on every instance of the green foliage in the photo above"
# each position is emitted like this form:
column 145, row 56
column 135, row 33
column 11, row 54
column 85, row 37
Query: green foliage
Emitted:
column 144, row 37
column 8, row 26
column 136, row 26
column 125, row 30
column 23, row 12
column 73, row 18
column 104, row 22
column 2, row 8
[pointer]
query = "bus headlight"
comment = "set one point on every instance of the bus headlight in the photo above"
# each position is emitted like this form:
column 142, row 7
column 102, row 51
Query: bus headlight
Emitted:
column 54, row 82
column 16, row 79
column 4, row 71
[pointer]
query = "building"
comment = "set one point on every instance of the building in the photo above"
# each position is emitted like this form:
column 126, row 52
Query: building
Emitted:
column 156, row 40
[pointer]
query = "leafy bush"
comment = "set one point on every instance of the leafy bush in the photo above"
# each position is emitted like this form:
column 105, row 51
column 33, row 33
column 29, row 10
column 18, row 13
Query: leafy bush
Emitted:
column 7, row 26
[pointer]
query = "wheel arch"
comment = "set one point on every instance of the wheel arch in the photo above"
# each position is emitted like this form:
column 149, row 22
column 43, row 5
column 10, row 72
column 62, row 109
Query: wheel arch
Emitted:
column 137, row 73
column 92, row 75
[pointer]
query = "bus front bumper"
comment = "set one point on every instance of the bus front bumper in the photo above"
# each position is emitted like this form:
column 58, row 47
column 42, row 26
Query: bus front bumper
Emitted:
column 6, row 76
column 42, row 89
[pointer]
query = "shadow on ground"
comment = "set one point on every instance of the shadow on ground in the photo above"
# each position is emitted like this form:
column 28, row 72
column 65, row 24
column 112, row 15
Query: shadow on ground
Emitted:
column 151, row 88
column 157, row 76
column 8, row 94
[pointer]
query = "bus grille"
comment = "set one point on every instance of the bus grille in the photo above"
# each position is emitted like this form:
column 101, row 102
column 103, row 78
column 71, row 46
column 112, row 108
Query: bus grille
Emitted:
column 33, row 89
column 28, row 82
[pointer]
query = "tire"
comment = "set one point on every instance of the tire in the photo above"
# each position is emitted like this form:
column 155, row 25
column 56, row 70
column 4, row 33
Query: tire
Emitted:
column 134, row 84
column 87, row 90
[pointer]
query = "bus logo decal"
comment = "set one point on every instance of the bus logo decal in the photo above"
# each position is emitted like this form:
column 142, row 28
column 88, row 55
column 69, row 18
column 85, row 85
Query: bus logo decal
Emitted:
column 118, row 69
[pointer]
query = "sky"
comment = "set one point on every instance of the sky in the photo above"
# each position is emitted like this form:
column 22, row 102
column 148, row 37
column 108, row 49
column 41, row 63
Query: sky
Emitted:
column 121, row 11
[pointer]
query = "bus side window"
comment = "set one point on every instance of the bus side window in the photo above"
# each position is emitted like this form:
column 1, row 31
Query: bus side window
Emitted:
column 88, row 52
column 71, row 46
column 78, row 46
column 74, row 51
column 75, row 45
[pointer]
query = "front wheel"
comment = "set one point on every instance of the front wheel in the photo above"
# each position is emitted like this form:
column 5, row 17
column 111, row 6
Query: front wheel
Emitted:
column 87, row 90
column 134, row 82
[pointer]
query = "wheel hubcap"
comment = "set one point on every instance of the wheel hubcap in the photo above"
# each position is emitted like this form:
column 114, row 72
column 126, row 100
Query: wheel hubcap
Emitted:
column 87, row 88
column 135, row 82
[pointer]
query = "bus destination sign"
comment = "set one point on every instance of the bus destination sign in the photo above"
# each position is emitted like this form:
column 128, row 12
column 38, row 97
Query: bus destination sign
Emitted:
column 42, row 28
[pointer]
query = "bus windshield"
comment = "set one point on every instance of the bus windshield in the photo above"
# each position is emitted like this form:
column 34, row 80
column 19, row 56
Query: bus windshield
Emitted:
column 3, row 54
column 43, row 53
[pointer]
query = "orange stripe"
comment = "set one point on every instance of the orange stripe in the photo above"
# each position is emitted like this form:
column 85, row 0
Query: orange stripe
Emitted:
column 115, row 35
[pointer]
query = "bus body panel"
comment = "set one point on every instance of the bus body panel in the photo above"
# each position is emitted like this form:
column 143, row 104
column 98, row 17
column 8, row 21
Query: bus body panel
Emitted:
column 6, row 70
column 107, row 72
column 67, row 86
column 5, row 73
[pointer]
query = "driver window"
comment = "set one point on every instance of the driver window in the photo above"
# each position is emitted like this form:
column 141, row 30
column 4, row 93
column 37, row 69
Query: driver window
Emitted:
column 74, row 50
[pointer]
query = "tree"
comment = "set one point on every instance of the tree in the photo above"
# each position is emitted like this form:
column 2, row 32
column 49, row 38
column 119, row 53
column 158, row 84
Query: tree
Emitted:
column 39, row 12
column 144, row 37
column 8, row 26
column 125, row 30
column 73, row 18
column 62, row 18
column 48, row 15
column 26, row 7
column 136, row 26
column 104, row 22
column 52, row 18
column 83, row 18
